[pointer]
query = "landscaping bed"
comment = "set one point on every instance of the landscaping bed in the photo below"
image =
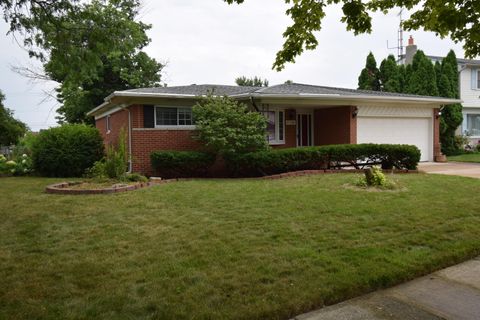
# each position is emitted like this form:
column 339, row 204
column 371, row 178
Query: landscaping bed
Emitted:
column 225, row 249
column 92, row 187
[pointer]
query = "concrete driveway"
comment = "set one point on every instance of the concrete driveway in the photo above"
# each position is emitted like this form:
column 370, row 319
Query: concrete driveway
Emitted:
column 463, row 169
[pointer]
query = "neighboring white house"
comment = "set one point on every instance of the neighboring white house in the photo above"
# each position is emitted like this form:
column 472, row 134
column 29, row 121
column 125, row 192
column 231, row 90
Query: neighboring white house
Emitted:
column 469, row 76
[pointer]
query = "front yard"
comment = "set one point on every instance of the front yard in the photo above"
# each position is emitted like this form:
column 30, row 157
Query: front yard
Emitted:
column 469, row 157
column 224, row 249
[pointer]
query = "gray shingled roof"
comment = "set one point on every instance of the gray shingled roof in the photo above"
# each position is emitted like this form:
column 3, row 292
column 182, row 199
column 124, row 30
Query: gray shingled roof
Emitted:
column 281, row 89
column 198, row 90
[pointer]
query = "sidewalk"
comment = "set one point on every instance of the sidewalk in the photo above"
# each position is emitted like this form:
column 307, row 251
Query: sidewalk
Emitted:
column 452, row 294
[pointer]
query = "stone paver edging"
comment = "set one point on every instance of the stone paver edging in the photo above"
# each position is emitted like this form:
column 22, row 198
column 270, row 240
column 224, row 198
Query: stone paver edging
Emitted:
column 63, row 188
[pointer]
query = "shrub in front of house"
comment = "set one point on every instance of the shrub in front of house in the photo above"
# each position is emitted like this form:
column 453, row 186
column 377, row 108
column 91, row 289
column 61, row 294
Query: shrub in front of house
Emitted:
column 322, row 157
column 66, row 151
column 181, row 164
column 226, row 126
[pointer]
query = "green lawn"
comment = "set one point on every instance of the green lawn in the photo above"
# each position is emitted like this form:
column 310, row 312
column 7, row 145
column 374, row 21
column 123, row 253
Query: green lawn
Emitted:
column 471, row 157
column 224, row 249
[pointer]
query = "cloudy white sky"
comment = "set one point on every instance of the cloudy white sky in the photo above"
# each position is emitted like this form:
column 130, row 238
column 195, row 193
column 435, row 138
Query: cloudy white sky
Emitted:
column 211, row 42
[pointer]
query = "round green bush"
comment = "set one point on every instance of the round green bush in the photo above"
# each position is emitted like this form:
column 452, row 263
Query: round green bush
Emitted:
column 66, row 151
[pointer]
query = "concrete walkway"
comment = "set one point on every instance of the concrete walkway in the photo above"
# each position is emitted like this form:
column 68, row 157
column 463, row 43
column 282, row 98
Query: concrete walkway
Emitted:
column 464, row 169
column 452, row 294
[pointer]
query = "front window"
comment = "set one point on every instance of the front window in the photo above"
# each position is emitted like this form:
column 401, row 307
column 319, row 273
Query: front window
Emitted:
column 166, row 116
column 473, row 124
column 275, row 126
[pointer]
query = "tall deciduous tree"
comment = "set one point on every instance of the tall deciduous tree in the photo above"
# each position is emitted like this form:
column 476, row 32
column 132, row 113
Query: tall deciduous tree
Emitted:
column 11, row 129
column 251, row 82
column 457, row 19
column 369, row 77
column 389, row 75
column 90, row 47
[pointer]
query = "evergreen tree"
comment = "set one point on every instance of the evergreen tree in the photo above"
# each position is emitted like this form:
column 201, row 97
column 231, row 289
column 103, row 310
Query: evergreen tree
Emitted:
column 422, row 80
column 251, row 82
column 389, row 75
column 452, row 117
column 369, row 78
column 402, row 74
column 438, row 72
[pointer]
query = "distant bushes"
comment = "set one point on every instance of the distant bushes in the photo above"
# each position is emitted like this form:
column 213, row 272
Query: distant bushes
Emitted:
column 174, row 164
column 330, row 156
column 66, row 151
column 181, row 164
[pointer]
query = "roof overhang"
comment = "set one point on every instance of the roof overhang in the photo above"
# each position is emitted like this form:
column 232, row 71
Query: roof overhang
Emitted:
column 121, row 97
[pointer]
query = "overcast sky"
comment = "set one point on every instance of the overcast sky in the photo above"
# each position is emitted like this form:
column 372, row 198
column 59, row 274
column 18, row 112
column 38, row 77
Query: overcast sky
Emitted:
column 211, row 42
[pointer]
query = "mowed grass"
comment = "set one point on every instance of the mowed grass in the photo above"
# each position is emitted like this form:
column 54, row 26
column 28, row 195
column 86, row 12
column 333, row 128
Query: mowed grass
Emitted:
column 224, row 249
column 469, row 157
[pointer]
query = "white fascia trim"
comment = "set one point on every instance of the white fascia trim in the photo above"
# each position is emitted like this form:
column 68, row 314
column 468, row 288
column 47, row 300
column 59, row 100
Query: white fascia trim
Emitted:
column 440, row 101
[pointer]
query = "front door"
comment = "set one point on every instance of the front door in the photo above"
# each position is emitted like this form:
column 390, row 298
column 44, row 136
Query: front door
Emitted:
column 304, row 130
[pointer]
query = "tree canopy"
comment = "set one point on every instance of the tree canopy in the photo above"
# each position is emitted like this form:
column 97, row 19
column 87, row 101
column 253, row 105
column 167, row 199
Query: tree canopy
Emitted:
column 457, row 19
column 251, row 82
column 91, row 48
column 11, row 129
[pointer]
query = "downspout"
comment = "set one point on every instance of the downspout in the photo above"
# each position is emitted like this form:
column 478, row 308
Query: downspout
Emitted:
column 254, row 104
column 125, row 107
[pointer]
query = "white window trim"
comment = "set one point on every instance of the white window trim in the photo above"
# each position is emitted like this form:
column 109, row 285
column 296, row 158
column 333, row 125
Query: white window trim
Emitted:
column 477, row 87
column 465, row 130
column 277, row 141
column 171, row 127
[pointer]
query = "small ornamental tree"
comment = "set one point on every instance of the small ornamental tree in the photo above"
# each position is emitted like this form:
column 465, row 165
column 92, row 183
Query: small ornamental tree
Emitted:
column 369, row 77
column 227, row 126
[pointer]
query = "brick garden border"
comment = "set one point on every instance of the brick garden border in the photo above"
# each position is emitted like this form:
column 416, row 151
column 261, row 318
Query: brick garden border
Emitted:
column 63, row 187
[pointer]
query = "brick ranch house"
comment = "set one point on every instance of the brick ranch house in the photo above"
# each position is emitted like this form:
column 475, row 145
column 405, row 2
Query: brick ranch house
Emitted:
column 298, row 115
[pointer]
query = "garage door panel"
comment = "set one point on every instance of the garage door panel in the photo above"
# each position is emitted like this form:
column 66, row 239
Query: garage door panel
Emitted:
column 415, row 131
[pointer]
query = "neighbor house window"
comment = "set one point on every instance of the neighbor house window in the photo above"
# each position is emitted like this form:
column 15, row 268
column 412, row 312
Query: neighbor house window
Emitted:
column 478, row 79
column 167, row 116
column 473, row 125
column 275, row 126
column 108, row 124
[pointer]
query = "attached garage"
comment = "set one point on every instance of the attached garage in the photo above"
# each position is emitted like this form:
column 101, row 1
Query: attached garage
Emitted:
column 397, row 125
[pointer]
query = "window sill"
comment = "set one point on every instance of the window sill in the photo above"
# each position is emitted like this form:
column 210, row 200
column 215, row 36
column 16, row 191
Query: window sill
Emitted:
column 167, row 128
column 276, row 143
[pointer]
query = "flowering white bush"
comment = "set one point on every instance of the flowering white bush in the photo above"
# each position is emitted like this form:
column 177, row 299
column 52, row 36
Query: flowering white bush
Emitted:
column 20, row 166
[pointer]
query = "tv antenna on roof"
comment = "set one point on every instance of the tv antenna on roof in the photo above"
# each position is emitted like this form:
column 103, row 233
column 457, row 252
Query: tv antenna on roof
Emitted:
column 399, row 46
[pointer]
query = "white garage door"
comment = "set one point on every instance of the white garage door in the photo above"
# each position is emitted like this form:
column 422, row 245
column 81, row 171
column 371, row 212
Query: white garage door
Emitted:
column 416, row 131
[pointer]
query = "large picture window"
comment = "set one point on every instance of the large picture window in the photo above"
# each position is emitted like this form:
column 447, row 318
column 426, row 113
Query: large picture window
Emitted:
column 275, row 126
column 167, row 116
column 473, row 125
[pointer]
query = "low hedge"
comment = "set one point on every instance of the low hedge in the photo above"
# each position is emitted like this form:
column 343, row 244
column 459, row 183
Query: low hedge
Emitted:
column 181, row 164
column 324, row 157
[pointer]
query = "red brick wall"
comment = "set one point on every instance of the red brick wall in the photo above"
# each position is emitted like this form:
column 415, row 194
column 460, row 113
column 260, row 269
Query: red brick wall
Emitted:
column 335, row 126
column 118, row 120
column 146, row 141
